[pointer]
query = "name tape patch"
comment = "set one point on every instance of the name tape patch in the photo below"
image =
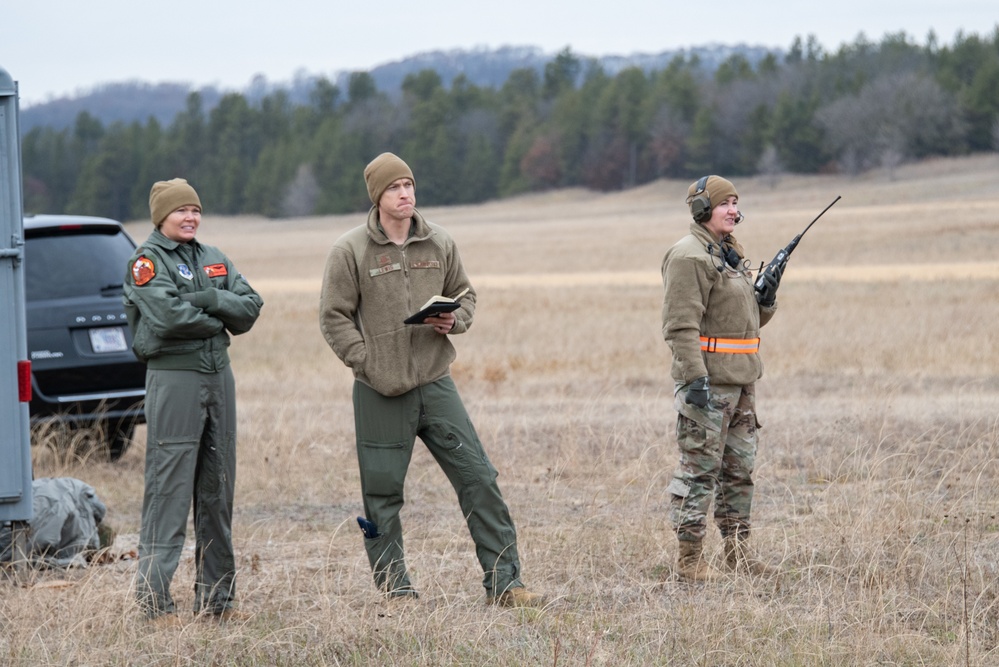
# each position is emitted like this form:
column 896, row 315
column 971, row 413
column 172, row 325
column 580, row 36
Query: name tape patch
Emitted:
column 216, row 270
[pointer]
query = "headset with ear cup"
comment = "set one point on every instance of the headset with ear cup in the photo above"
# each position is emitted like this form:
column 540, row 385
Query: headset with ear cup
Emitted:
column 700, row 202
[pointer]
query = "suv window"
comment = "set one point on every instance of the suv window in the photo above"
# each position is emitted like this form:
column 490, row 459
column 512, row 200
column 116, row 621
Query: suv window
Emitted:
column 59, row 262
column 83, row 371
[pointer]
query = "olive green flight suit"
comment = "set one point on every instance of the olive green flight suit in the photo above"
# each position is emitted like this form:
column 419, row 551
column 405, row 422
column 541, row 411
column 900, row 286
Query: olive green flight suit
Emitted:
column 183, row 300
column 190, row 459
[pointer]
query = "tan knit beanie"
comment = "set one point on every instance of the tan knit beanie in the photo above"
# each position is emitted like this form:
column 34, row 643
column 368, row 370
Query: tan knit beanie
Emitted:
column 382, row 171
column 716, row 189
column 167, row 196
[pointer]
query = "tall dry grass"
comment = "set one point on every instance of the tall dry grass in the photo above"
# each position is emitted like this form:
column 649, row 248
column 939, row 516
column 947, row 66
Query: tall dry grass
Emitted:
column 876, row 482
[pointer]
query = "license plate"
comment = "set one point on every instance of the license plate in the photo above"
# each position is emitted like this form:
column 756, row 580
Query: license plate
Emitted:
column 108, row 339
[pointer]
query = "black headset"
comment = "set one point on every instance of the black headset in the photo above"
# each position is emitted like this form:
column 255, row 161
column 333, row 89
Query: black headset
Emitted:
column 700, row 202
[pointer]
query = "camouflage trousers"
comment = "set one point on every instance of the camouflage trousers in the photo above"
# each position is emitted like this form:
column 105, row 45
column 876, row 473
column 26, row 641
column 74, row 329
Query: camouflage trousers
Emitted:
column 717, row 454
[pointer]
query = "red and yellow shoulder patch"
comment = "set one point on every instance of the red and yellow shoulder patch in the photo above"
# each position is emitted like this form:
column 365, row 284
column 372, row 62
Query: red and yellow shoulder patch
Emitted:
column 216, row 270
column 143, row 271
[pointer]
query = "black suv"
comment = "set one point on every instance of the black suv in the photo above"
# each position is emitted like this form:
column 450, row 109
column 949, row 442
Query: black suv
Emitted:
column 83, row 371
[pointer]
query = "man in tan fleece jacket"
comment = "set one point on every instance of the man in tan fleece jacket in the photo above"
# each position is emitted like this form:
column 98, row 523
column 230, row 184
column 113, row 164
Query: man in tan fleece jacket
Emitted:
column 711, row 320
column 377, row 275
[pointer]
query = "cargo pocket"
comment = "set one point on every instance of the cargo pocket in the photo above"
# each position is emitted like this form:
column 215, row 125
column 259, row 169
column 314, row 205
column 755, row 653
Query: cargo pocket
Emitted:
column 678, row 488
column 212, row 472
column 463, row 454
column 690, row 434
column 170, row 466
column 383, row 467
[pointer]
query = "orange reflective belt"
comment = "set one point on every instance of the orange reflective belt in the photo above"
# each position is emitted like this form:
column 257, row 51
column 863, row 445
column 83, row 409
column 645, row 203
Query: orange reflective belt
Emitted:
column 730, row 345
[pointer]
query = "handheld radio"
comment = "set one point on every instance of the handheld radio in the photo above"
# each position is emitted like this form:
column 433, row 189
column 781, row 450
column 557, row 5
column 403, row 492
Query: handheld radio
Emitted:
column 779, row 262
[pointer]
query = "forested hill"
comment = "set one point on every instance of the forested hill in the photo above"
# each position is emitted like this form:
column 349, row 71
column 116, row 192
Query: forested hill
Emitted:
column 574, row 122
column 129, row 101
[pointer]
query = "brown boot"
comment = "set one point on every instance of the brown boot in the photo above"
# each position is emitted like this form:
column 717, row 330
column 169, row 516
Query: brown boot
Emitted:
column 165, row 621
column 517, row 597
column 739, row 557
column 227, row 615
column 690, row 564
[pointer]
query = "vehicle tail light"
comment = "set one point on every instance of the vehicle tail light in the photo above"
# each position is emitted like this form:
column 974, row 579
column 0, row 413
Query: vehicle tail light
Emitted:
column 24, row 381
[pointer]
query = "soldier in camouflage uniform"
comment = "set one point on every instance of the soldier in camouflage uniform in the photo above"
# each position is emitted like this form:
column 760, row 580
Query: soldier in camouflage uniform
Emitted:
column 711, row 320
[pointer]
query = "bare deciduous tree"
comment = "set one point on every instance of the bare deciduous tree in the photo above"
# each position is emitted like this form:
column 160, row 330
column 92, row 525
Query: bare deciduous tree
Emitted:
column 301, row 195
column 893, row 118
column 667, row 141
column 770, row 166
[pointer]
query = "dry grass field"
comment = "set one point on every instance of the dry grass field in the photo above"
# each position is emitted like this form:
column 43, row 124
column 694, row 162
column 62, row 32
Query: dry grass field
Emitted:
column 877, row 480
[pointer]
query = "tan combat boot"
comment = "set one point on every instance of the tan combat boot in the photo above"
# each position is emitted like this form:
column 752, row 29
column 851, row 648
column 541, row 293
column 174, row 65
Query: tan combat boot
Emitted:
column 165, row 621
column 517, row 597
column 739, row 557
column 690, row 564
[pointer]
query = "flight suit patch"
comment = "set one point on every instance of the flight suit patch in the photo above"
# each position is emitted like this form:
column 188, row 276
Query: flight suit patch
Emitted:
column 216, row 270
column 143, row 271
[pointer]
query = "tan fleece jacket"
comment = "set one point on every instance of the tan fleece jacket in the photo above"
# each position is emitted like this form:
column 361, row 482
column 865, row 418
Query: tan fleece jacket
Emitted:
column 371, row 285
column 700, row 301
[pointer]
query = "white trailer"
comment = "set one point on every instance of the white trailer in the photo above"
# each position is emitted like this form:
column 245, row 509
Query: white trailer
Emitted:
column 15, row 369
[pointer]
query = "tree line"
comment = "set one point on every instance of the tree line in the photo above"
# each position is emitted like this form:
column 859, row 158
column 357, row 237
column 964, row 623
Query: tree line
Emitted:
column 868, row 104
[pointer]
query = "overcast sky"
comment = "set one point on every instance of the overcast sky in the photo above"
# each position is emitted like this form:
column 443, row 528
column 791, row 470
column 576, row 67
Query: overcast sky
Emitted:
column 62, row 47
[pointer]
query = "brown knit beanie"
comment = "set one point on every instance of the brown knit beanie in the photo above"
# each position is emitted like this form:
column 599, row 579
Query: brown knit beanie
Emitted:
column 167, row 196
column 382, row 171
column 717, row 189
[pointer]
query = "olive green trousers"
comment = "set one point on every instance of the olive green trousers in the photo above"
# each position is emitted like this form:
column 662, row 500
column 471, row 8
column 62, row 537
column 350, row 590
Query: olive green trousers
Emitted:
column 387, row 428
